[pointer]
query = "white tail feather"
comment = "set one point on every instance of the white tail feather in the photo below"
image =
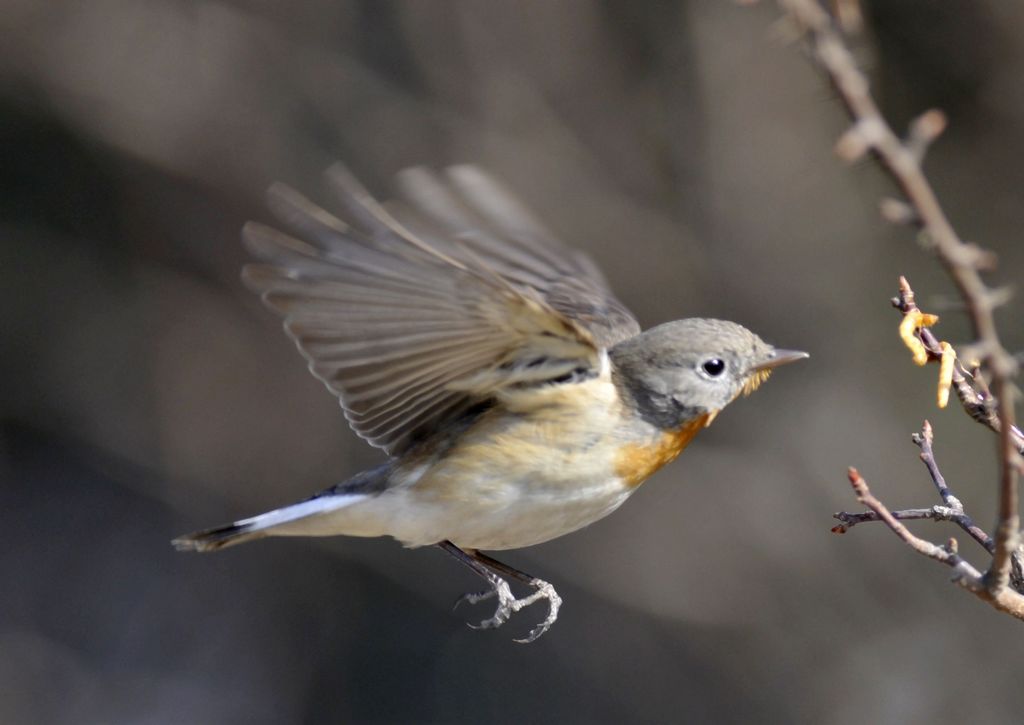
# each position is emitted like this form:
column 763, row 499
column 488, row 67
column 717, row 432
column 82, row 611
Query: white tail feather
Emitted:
column 267, row 524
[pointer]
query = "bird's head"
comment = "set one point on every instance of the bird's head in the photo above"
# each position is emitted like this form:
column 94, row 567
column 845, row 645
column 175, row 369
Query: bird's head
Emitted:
column 679, row 371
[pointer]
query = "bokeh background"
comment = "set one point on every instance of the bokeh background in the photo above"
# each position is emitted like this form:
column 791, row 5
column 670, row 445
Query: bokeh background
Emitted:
column 687, row 147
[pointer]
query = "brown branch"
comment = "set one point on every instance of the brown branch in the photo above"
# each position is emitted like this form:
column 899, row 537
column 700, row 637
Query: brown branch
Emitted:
column 847, row 520
column 963, row 262
column 944, row 555
column 925, row 441
column 1005, row 599
column 952, row 510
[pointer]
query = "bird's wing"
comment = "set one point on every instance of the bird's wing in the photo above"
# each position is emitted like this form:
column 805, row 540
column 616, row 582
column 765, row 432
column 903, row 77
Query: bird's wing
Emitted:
column 414, row 312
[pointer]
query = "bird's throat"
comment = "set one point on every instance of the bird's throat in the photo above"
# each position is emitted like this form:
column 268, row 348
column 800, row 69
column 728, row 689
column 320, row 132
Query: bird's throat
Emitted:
column 636, row 462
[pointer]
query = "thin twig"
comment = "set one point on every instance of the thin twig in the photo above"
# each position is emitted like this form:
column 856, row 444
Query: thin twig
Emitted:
column 952, row 510
column 925, row 440
column 1005, row 599
column 871, row 132
column 847, row 520
column 945, row 555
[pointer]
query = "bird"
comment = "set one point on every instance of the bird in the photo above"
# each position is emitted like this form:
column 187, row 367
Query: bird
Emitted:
column 517, row 399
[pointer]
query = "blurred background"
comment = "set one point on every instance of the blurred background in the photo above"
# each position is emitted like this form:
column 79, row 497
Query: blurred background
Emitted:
column 687, row 148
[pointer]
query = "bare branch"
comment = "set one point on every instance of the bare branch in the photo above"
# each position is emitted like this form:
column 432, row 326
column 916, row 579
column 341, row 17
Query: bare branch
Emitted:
column 1005, row 599
column 962, row 261
column 944, row 555
column 925, row 440
column 848, row 520
column 952, row 510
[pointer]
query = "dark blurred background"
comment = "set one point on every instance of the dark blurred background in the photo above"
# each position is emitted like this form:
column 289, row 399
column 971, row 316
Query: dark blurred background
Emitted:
column 685, row 146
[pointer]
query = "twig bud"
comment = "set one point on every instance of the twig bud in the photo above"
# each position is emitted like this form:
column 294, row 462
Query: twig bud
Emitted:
column 852, row 145
column 999, row 296
column 929, row 125
column 906, row 292
column 924, row 130
column 849, row 16
column 895, row 211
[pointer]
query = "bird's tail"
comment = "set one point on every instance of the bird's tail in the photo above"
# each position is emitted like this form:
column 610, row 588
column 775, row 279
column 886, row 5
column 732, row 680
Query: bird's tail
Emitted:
column 272, row 523
column 299, row 519
column 219, row 537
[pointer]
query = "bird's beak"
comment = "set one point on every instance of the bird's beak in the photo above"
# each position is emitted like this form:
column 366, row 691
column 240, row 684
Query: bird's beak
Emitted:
column 779, row 357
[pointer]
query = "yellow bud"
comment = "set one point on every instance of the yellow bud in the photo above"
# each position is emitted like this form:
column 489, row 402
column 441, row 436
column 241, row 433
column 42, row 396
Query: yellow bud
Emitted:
column 908, row 328
column 946, row 373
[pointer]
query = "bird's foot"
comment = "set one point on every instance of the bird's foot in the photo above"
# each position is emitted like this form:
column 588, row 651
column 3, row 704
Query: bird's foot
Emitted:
column 475, row 597
column 509, row 605
column 544, row 590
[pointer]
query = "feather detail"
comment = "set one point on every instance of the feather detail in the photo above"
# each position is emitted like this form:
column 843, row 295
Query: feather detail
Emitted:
column 411, row 314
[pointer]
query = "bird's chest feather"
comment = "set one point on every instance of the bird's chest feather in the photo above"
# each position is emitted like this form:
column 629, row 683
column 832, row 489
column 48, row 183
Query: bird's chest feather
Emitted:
column 523, row 476
column 558, row 446
column 635, row 462
column 579, row 442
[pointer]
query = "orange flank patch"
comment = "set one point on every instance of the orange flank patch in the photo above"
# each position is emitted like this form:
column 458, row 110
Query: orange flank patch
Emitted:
column 635, row 462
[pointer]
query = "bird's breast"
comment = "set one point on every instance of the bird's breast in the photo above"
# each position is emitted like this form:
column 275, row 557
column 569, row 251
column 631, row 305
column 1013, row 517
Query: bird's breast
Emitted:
column 517, row 478
column 636, row 462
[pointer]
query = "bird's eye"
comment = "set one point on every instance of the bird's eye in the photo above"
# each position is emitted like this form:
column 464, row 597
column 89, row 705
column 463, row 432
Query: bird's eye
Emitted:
column 713, row 367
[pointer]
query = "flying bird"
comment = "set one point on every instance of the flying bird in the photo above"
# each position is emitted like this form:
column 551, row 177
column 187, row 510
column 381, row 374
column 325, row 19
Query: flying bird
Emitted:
column 516, row 398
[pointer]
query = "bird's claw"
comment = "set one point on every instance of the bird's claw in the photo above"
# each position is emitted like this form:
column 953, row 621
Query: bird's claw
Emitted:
column 474, row 598
column 509, row 605
column 543, row 591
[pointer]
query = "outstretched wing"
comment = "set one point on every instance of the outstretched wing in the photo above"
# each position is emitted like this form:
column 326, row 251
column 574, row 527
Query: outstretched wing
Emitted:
column 411, row 313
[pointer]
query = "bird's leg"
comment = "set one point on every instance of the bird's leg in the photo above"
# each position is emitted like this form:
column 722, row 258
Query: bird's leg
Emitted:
column 486, row 567
column 542, row 590
column 499, row 587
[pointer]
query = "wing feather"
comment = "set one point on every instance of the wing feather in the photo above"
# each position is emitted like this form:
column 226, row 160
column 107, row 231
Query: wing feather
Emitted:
column 411, row 314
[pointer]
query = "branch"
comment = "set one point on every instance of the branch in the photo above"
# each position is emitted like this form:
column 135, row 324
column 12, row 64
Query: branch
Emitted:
column 963, row 262
column 952, row 510
column 1005, row 599
column 848, row 520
